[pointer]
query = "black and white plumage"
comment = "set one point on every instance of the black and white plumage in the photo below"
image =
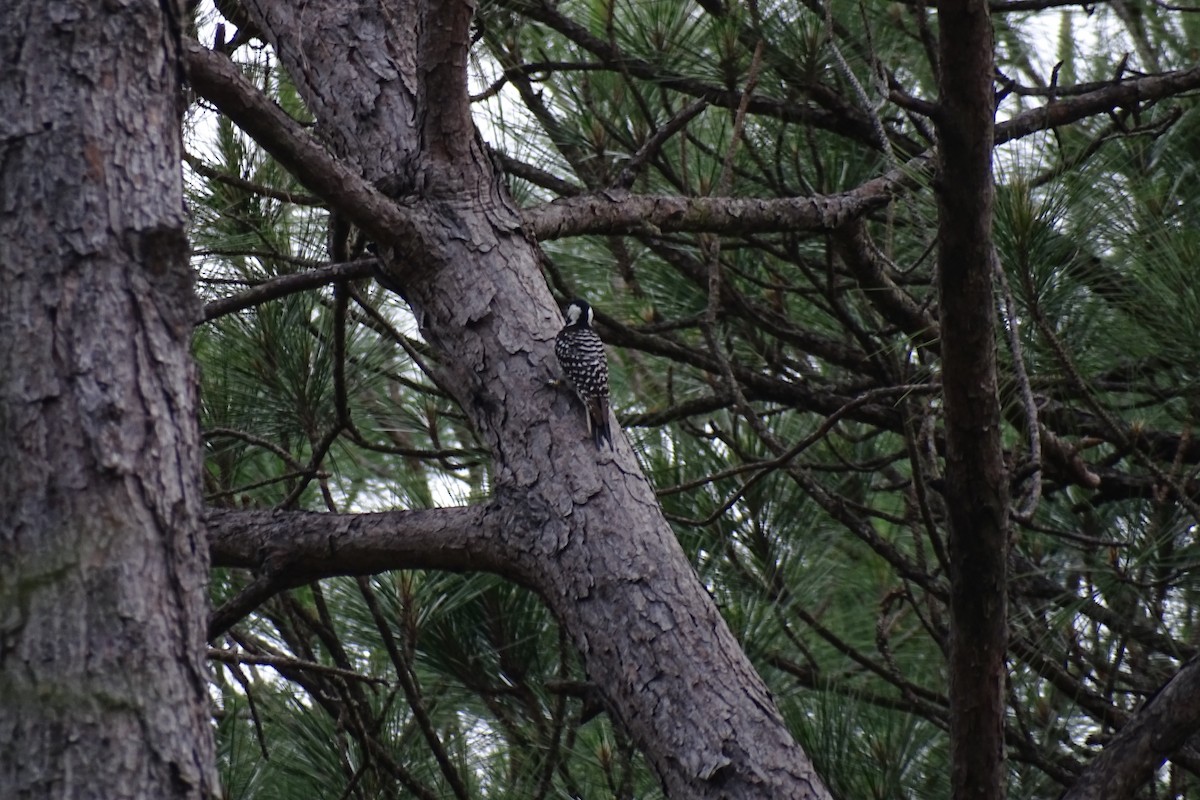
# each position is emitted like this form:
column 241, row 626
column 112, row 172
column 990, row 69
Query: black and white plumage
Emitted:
column 581, row 354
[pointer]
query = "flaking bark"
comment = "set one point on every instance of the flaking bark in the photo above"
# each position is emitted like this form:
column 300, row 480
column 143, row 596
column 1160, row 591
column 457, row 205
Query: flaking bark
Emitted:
column 103, row 562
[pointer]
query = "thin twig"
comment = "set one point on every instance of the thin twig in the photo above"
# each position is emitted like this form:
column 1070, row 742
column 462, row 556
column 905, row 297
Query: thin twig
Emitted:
column 1029, row 502
column 244, row 682
column 285, row 285
column 233, row 657
column 295, row 198
column 412, row 691
column 655, row 143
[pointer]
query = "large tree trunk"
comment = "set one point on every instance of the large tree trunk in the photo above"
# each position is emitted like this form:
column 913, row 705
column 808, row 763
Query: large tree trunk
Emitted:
column 103, row 562
column 387, row 84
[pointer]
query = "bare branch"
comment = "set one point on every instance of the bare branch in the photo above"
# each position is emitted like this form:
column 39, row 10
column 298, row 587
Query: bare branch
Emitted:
column 412, row 690
column 854, row 245
column 845, row 121
column 289, row 284
column 1167, row 720
column 1125, row 94
column 309, row 545
column 655, row 143
column 203, row 168
column 253, row 595
column 234, row 657
column 619, row 212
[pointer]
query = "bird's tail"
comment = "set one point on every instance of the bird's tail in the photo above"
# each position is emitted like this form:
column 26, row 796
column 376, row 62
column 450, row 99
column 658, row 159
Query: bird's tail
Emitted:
column 598, row 417
column 601, row 433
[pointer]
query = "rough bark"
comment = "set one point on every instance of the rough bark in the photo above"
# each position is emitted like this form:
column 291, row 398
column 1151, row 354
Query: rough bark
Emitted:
column 306, row 546
column 582, row 528
column 103, row 561
column 338, row 181
column 615, row 212
column 1161, row 727
column 976, row 483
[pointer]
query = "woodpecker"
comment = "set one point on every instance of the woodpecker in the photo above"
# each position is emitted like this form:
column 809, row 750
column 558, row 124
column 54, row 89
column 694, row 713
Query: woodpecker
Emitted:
column 581, row 354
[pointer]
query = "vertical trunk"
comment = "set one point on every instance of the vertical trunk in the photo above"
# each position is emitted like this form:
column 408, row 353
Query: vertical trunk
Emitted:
column 102, row 564
column 976, row 484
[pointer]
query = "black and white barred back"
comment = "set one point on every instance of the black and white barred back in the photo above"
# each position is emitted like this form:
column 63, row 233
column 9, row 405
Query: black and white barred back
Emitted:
column 581, row 354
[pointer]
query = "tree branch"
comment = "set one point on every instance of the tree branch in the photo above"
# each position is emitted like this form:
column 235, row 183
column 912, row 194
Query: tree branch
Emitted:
column 289, row 284
column 307, row 545
column 1162, row 725
column 1125, row 94
column 204, row 169
column 235, row 657
column 845, row 121
column 854, row 246
column 619, row 212
column 218, row 80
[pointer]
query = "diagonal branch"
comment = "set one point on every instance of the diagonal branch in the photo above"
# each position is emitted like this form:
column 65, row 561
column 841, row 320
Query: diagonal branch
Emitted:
column 1154, row 733
column 854, row 245
column 844, row 120
column 289, row 284
column 202, row 168
column 651, row 148
column 218, row 80
column 1125, row 94
column 412, row 691
column 253, row 595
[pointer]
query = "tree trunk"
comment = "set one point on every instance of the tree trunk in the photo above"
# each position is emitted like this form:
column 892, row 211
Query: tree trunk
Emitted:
column 103, row 563
column 387, row 85
column 976, row 483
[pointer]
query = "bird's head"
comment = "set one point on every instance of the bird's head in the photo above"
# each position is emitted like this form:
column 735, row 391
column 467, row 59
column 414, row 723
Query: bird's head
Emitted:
column 579, row 313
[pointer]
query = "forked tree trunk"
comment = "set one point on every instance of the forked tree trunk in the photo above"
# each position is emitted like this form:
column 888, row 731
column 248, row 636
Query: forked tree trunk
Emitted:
column 387, row 84
column 103, row 564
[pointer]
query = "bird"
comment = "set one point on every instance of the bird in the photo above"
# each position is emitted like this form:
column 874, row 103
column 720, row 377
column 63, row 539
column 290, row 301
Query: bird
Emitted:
column 581, row 355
